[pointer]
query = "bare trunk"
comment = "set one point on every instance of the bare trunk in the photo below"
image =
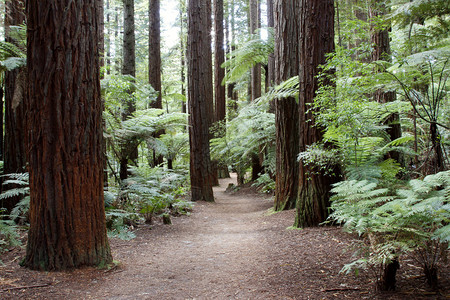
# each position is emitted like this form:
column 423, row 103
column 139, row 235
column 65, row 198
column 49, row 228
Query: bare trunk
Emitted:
column 316, row 39
column 382, row 51
column 154, row 62
column 200, row 97
column 286, row 110
column 64, row 125
column 129, row 152
column 15, row 92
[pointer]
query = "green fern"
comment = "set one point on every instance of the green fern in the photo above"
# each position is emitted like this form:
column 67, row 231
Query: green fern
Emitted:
column 407, row 221
column 254, row 51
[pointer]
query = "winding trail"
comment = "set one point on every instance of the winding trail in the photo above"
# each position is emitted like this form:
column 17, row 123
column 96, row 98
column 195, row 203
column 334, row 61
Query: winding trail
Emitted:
column 218, row 252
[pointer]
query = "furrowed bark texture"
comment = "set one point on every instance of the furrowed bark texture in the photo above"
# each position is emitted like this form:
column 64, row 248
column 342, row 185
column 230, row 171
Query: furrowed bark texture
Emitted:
column 154, row 62
column 286, row 110
column 129, row 151
column 14, row 155
column 67, row 217
column 316, row 39
column 200, row 98
column 219, row 59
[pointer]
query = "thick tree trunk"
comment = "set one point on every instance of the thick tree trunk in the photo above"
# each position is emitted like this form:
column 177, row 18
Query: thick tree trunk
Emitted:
column 200, row 98
column 286, row 110
column 64, row 141
column 15, row 92
column 129, row 152
column 316, row 40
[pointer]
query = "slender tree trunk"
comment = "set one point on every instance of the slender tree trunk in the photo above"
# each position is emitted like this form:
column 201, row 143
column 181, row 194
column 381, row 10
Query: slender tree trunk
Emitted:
column 200, row 97
column 108, row 36
column 286, row 110
column 382, row 51
column 256, row 70
column 154, row 62
column 219, row 59
column 129, row 151
column 64, row 141
column 255, row 81
column 219, row 74
column 316, row 40
column 232, row 94
column 183, row 54
column 15, row 93
column 271, row 60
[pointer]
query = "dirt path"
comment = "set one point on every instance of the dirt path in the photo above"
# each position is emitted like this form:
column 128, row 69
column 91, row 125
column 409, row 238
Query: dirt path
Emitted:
column 231, row 249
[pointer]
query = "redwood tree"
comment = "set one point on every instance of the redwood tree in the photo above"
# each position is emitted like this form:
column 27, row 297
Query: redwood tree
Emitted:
column 200, row 98
column 64, row 141
column 129, row 151
column 286, row 110
column 382, row 51
column 219, row 58
column 14, row 155
column 316, row 38
column 154, row 61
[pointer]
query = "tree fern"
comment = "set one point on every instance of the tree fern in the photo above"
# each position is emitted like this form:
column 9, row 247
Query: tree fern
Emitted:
column 250, row 53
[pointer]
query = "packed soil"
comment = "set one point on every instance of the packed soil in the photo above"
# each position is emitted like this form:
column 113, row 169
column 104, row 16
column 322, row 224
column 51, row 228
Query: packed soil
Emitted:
column 231, row 249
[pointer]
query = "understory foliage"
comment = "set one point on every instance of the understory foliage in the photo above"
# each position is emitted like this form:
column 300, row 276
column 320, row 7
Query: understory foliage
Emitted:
column 9, row 224
column 252, row 132
column 149, row 190
column 412, row 219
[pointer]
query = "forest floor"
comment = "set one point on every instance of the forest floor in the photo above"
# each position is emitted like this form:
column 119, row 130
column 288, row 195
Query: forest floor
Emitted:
column 231, row 249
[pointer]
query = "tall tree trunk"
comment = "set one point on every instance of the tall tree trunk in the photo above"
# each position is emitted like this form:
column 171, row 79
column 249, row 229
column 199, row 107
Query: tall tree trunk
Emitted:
column 316, row 40
column 231, row 93
column 183, row 54
column 382, row 51
column 200, row 97
column 154, row 62
column 219, row 74
column 255, row 80
column 108, row 36
column 129, row 151
column 64, row 141
column 15, row 93
column 219, row 59
column 271, row 60
column 256, row 70
column 286, row 110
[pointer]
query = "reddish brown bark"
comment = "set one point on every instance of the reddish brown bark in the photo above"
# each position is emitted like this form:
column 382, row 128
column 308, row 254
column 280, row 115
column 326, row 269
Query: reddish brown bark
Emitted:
column 219, row 59
column 154, row 62
column 286, row 110
column 200, row 98
column 14, row 151
column 64, row 141
column 316, row 40
column 129, row 151
column 256, row 70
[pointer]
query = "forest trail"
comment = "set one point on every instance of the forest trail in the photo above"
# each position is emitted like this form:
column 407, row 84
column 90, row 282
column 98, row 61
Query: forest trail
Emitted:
column 230, row 249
